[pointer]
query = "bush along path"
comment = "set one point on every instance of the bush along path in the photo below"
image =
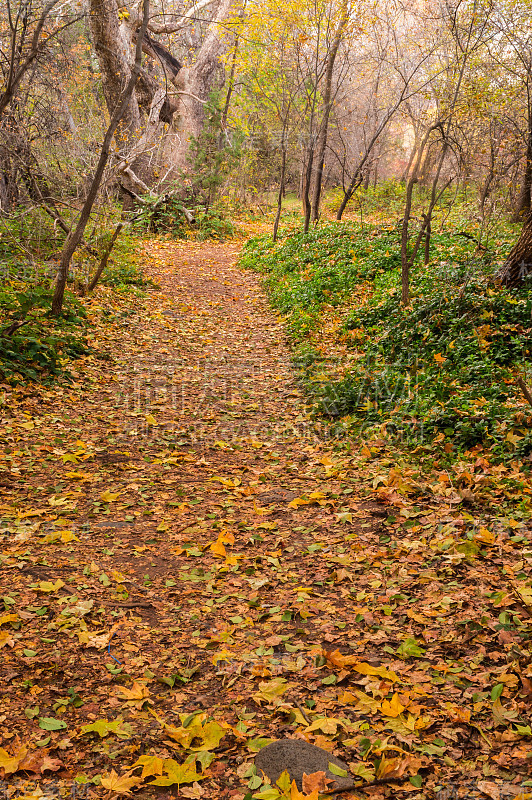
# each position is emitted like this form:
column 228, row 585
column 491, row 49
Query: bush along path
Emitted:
column 190, row 570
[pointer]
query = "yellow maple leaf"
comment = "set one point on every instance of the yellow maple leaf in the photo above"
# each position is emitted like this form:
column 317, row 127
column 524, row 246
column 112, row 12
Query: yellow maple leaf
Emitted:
column 61, row 536
column 295, row 794
column 439, row 359
column 217, row 548
column 177, row 773
column 6, row 638
column 151, row 765
column 10, row 764
column 48, row 586
column 8, row 618
column 393, row 707
column 484, row 536
column 120, row 784
column 269, row 691
column 327, row 725
column 298, row 501
column 137, row 692
column 397, row 767
column 381, row 672
column 109, row 496
column 69, row 458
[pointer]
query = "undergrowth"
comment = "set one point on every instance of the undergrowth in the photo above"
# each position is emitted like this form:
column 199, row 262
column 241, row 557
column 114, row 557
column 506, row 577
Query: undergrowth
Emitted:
column 34, row 345
column 166, row 215
column 40, row 349
column 445, row 368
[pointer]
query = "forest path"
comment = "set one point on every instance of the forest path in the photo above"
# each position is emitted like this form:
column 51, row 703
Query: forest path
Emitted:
column 178, row 541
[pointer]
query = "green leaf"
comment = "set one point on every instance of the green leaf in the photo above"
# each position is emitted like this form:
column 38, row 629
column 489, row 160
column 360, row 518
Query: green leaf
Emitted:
column 51, row 724
column 257, row 744
column 104, row 727
column 416, row 780
column 497, row 691
column 284, row 782
column 268, row 794
column 336, row 770
column 410, row 648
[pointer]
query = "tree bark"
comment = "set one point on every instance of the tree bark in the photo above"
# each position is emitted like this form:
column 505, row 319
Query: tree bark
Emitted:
column 523, row 201
column 76, row 235
column 115, row 64
column 518, row 265
column 280, row 194
column 195, row 83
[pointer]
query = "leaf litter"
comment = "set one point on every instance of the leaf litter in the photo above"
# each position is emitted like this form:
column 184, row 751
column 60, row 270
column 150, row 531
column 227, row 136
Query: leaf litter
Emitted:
column 192, row 570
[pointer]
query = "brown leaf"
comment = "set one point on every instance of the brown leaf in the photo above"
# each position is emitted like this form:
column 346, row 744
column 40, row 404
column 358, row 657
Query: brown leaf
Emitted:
column 397, row 767
column 490, row 789
column 316, row 781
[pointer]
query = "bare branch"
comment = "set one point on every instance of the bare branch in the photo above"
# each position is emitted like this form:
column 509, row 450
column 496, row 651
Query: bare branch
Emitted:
column 183, row 22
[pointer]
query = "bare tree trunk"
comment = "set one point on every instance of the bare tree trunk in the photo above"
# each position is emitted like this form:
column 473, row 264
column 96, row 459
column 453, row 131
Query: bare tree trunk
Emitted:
column 428, row 232
column 115, row 62
column 307, row 177
column 358, row 175
column 523, row 201
column 196, row 82
column 76, row 235
column 406, row 173
column 405, row 259
column 327, row 105
column 519, row 262
column 280, row 194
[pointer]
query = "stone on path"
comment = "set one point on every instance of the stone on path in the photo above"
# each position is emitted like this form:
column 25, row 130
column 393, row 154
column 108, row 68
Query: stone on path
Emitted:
column 298, row 757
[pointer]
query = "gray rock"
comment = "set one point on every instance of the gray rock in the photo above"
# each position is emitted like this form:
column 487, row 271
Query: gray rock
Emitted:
column 298, row 757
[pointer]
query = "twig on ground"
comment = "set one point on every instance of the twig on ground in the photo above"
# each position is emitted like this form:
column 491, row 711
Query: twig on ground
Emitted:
column 362, row 786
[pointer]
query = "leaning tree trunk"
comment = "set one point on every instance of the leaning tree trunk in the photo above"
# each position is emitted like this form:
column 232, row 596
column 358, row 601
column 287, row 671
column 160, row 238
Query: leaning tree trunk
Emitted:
column 519, row 262
column 75, row 236
column 327, row 105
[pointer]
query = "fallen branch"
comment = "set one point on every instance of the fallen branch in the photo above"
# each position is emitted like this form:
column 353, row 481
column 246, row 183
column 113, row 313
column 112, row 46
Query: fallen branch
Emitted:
column 526, row 391
column 13, row 328
column 362, row 786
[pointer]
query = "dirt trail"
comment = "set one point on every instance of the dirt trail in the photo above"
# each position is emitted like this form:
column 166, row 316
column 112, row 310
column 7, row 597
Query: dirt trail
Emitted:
column 176, row 539
column 172, row 461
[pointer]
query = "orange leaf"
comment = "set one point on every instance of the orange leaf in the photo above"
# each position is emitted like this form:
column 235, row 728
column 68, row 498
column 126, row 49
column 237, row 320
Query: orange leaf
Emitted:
column 295, row 794
column 315, row 782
